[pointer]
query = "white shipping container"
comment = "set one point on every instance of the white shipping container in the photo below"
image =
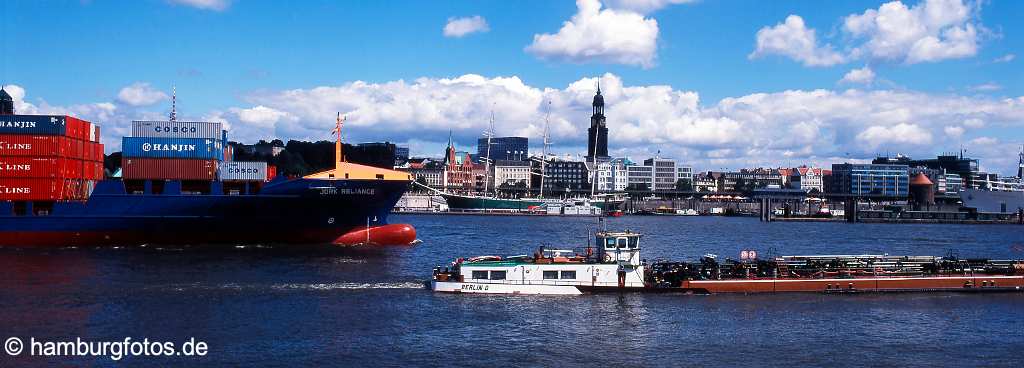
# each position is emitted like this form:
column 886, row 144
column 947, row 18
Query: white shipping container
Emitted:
column 247, row 171
column 177, row 129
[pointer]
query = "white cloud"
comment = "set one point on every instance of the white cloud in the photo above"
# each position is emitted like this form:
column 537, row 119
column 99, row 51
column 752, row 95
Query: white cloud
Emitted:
column 974, row 123
column 774, row 128
column 902, row 134
column 811, row 126
column 793, row 39
column 986, row 87
column 140, row 94
column 601, row 35
column 216, row 5
column 930, row 31
column 954, row 131
column 459, row 27
column 644, row 6
column 859, row 76
column 1005, row 58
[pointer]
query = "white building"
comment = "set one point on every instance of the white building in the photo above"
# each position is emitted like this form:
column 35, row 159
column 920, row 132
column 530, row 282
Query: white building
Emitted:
column 807, row 179
column 433, row 177
column 510, row 173
column 658, row 174
column 612, row 175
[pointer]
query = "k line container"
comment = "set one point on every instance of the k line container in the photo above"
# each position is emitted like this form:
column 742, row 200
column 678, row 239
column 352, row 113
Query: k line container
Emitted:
column 48, row 146
column 33, row 124
column 92, row 170
column 177, row 129
column 192, row 148
column 168, row 169
column 41, row 167
column 77, row 128
column 245, row 171
column 35, row 189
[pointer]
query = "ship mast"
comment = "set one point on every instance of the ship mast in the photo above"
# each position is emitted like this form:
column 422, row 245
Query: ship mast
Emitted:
column 338, row 158
column 544, row 153
column 489, row 133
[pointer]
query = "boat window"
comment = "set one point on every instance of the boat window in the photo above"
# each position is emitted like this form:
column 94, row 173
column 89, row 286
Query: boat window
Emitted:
column 497, row 275
column 622, row 243
column 609, row 243
column 479, row 275
column 568, row 275
column 551, row 275
column 634, row 242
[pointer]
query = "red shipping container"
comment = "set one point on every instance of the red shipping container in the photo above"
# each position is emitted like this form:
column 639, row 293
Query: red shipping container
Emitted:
column 92, row 170
column 97, row 127
column 271, row 172
column 76, row 128
column 33, row 189
column 168, row 168
column 33, row 145
column 88, row 151
column 77, row 148
column 35, row 167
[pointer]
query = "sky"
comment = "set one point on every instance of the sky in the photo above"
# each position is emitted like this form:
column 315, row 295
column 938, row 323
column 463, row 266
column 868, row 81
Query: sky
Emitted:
column 714, row 84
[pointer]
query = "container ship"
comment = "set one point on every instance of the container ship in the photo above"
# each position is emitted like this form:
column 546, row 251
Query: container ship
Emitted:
column 614, row 265
column 177, row 186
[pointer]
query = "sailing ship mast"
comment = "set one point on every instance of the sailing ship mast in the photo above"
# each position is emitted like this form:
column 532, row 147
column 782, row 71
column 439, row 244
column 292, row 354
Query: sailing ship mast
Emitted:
column 489, row 133
column 544, row 153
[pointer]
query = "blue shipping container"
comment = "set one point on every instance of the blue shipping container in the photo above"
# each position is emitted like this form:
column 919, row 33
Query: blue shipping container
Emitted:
column 33, row 124
column 195, row 148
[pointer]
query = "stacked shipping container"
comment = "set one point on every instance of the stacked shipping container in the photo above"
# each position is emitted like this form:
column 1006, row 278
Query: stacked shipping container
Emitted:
column 173, row 150
column 48, row 157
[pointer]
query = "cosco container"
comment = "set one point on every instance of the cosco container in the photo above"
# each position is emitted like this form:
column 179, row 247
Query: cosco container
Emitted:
column 168, row 169
column 193, row 148
column 177, row 129
column 247, row 171
column 33, row 124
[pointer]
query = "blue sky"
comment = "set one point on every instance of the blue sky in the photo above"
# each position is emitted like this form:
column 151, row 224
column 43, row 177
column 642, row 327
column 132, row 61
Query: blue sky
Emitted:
column 701, row 85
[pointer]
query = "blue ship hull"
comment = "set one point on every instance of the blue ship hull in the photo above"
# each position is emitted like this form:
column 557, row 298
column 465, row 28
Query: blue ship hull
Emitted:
column 297, row 211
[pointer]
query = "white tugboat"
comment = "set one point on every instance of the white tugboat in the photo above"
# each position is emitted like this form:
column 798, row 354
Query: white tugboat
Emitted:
column 613, row 264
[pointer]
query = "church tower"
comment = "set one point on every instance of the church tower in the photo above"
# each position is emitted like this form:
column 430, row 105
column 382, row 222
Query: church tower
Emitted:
column 6, row 103
column 597, row 135
column 1020, row 164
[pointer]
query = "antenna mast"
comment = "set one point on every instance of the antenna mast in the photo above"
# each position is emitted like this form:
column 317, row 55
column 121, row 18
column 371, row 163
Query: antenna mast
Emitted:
column 174, row 102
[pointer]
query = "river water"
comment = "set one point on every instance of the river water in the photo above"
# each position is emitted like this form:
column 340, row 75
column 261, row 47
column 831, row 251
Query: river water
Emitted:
column 328, row 307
